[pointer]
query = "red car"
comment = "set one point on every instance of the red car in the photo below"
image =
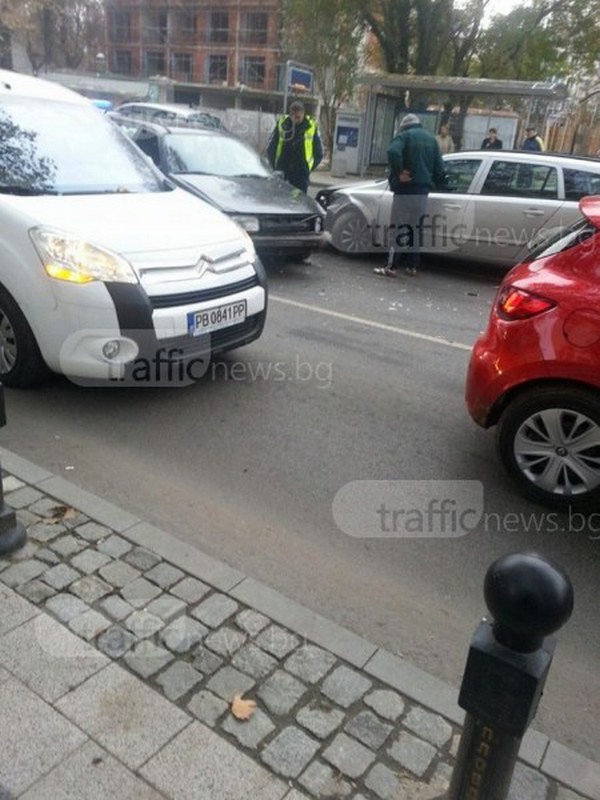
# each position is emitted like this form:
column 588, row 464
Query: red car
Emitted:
column 535, row 372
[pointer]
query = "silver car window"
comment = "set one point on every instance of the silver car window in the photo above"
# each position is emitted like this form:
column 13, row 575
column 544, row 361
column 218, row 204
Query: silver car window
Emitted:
column 521, row 179
column 579, row 183
column 460, row 173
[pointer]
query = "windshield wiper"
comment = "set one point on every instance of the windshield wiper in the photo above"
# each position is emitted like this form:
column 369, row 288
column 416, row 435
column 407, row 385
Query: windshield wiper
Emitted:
column 249, row 175
column 25, row 191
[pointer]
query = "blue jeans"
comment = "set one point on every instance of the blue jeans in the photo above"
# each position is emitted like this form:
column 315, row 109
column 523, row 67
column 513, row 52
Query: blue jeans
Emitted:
column 406, row 236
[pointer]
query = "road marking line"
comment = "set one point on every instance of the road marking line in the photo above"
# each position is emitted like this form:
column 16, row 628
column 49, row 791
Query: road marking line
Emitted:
column 370, row 323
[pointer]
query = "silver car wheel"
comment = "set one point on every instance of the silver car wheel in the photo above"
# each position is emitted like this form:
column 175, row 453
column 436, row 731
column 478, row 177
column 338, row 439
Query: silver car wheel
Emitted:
column 8, row 344
column 351, row 233
column 558, row 450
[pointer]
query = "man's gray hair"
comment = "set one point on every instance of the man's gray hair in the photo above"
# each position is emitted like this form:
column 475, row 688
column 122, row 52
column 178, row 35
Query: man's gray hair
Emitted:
column 410, row 119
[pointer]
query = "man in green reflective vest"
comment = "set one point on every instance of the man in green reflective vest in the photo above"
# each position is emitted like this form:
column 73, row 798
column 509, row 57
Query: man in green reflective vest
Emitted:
column 295, row 146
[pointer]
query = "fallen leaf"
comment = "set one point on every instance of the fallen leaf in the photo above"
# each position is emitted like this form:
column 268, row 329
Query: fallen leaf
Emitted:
column 59, row 513
column 242, row 709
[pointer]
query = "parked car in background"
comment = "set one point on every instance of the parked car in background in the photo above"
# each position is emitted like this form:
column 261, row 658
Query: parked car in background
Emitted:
column 494, row 203
column 102, row 260
column 171, row 114
column 221, row 169
column 535, row 372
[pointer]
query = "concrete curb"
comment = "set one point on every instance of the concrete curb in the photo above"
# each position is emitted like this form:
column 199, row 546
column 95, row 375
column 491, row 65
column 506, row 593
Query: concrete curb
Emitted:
column 552, row 758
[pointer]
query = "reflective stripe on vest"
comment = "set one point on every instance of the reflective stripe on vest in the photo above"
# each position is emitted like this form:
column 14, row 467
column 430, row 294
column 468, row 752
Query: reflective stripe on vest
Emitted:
column 309, row 136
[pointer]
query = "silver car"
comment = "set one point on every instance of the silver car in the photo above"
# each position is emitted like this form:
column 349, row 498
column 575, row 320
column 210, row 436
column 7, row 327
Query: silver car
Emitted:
column 495, row 203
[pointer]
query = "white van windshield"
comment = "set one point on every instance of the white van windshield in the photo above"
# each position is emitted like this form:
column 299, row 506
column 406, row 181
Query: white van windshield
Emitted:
column 66, row 148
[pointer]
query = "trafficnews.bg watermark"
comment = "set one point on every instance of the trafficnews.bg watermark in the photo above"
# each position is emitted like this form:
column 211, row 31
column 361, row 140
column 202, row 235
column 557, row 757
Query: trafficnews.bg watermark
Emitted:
column 423, row 509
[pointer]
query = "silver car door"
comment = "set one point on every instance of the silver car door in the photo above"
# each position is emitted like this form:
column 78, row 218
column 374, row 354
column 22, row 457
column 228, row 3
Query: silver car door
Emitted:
column 442, row 229
column 517, row 198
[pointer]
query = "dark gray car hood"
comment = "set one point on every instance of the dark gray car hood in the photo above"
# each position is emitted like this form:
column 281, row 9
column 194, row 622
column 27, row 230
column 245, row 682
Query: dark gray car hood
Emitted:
column 249, row 195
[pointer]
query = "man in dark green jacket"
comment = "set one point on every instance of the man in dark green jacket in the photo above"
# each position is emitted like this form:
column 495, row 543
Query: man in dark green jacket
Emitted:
column 415, row 168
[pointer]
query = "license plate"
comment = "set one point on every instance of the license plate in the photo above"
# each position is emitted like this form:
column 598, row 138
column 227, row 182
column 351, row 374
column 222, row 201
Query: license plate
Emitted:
column 214, row 318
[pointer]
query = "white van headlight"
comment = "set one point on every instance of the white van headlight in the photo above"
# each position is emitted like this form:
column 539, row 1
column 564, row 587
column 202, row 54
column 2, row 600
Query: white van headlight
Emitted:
column 68, row 258
column 250, row 251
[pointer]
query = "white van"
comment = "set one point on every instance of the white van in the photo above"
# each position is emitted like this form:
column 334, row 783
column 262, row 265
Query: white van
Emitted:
column 104, row 264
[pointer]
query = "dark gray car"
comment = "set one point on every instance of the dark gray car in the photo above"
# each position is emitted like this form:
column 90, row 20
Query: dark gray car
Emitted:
column 229, row 174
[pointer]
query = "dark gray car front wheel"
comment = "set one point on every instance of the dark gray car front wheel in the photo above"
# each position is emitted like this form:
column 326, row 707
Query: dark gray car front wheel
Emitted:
column 549, row 442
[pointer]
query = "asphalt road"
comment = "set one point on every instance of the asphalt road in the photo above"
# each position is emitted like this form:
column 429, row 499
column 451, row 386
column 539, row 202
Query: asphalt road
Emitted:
column 356, row 378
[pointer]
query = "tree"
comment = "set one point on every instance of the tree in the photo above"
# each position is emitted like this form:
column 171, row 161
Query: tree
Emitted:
column 549, row 38
column 425, row 37
column 325, row 34
column 57, row 33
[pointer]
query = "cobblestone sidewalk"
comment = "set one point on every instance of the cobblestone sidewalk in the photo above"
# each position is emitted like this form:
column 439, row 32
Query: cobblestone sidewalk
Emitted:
column 323, row 728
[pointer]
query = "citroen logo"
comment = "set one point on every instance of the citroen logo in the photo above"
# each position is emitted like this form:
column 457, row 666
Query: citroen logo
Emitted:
column 201, row 266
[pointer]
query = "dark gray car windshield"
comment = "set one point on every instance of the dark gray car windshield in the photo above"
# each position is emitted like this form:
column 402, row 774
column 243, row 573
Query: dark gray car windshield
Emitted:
column 212, row 154
column 66, row 148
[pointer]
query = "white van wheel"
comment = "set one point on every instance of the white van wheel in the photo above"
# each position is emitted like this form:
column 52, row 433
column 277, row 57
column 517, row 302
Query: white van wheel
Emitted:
column 21, row 363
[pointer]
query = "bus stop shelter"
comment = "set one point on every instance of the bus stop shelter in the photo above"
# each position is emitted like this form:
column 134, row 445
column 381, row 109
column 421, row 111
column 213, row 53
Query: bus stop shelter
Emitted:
column 388, row 98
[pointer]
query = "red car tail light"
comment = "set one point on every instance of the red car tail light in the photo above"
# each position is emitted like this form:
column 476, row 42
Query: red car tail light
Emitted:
column 514, row 304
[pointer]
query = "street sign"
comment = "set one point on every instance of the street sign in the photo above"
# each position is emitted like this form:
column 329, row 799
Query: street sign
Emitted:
column 299, row 79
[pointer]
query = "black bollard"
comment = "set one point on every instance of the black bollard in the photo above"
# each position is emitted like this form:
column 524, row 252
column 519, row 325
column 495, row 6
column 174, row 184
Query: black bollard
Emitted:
column 12, row 533
column 509, row 658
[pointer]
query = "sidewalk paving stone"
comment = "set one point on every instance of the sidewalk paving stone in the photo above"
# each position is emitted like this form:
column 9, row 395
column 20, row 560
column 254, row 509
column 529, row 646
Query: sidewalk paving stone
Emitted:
column 65, row 606
column 277, row 641
column 310, row 663
column 319, row 719
column 225, row 641
column 114, row 546
column 386, row 703
column 140, row 592
column 14, row 610
column 254, row 661
column 428, row 726
column 251, row 733
column 290, row 752
column 35, row 737
column 199, row 765
column 90, row 773
column 183, row 634
column 345, row 686
column 142, row 559
column 281, row 692
column 115, row 641
column 207, row 707
column 321, row 781
column 190, row 590
column 90, row 588
column 178, row 679
column 349, row 756
column 89, row 625
column 251, row 621
column 228, row 682
column 146, row 658
column 411, row 753
column 369, row 729
column 48, row 658
column 215, row 610
column 123, row 715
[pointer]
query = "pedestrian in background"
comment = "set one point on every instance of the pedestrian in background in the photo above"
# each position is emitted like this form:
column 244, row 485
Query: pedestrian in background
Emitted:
column 295, row 146
column 415, row 168
column 491, row 141
column 445, row 141
column 532, row 141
